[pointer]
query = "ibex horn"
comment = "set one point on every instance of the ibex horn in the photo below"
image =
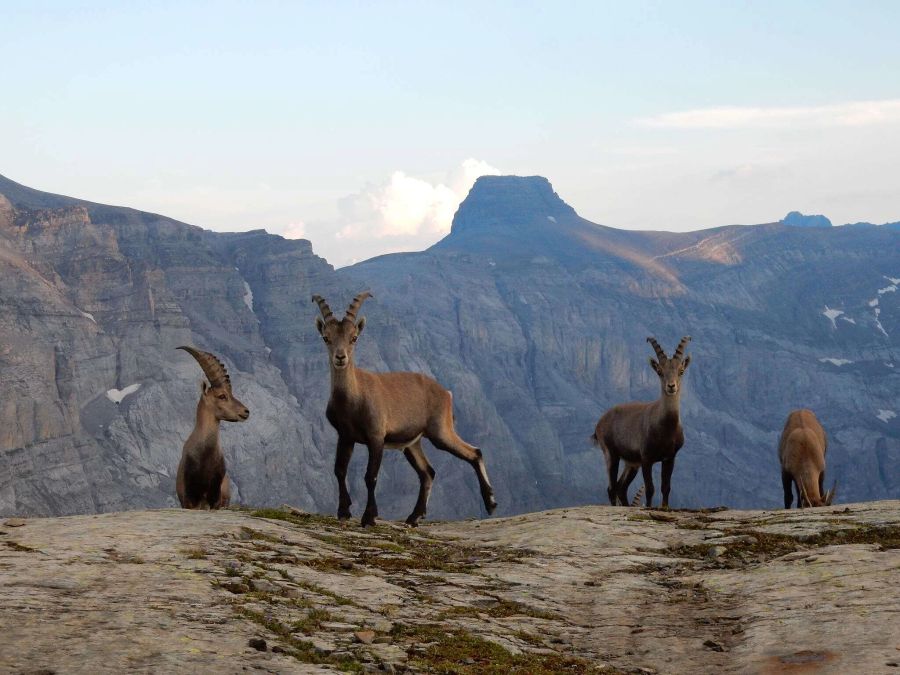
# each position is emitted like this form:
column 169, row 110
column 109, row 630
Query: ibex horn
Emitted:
column 636, row 500
column 679, row 351
column 327, row 314
column 355, row 305
column 830, row 496
column 213, row 368
column 660, row 354
column 803, row 496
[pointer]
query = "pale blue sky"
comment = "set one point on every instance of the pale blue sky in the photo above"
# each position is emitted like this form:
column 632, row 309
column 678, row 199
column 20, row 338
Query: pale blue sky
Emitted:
column 350, row 122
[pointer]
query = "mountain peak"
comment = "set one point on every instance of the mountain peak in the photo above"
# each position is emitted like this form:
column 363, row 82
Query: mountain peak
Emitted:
column 797, row 219
column 517, row 202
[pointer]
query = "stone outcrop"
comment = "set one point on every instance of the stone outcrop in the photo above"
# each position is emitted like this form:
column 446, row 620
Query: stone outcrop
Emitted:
column 582, row 590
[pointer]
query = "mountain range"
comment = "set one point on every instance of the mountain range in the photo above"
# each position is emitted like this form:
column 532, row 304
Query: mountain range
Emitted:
column 534, row 317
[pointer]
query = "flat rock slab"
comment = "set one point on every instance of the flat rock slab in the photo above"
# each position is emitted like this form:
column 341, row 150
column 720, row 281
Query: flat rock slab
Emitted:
column 590, row 589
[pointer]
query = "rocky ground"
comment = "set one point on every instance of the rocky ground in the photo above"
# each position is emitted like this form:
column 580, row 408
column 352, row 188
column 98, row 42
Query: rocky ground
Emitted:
column 592, row 589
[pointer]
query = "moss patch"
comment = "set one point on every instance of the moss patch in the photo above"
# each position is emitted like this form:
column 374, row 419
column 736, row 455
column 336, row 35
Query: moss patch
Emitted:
column 301, row 650
column 458, row 652
column 769, row 545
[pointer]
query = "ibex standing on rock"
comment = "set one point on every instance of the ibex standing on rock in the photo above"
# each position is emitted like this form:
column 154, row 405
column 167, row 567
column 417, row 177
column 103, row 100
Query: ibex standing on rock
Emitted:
column 801, row 452
column 201, row 481
column 387, row 410
column 642, row 434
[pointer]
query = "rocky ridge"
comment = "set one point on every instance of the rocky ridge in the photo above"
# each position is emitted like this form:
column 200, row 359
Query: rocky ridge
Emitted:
column 534, row 317
column 591, row 589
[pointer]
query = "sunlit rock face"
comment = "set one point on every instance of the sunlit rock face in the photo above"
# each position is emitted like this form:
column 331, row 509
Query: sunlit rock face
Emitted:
column 534, row 318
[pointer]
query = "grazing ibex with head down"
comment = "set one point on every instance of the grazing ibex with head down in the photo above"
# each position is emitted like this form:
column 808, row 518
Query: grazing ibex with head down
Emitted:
column 801, row 452
column 387, row 410
column 201, row 481
column 642, row 434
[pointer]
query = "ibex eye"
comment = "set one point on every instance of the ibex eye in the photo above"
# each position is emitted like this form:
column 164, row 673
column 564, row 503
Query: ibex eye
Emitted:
column 354, row 338
column 222, row 397
column 327, row 341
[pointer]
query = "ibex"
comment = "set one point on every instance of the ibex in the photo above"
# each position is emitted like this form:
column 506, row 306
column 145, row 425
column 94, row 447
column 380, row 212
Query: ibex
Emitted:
column 201, row 481
column 387, row 410
column 642, row 434
column 801, row 452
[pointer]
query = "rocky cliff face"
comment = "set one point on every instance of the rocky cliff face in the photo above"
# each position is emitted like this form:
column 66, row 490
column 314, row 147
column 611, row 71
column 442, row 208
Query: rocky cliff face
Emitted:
column 534, row 317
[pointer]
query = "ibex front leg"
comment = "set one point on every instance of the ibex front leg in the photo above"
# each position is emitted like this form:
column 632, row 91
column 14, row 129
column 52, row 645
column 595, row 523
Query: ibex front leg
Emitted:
column 376, row 451
column 668, row 466
column 647, row 471
column 341, row 461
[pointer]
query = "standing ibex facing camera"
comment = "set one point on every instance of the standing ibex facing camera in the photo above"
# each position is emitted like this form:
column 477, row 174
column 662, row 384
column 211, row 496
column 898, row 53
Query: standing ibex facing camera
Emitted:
column 641, row 434
column 387, row 410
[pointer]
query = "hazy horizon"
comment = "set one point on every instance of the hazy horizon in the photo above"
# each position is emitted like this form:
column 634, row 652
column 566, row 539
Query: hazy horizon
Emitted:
column 362, row 127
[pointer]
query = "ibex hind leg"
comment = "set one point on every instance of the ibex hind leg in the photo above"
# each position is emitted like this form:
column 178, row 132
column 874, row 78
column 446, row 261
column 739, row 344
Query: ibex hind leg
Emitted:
column 612, row 474
column 787, row 485
column 625, row 480
column 416, row 457
column 452, row 443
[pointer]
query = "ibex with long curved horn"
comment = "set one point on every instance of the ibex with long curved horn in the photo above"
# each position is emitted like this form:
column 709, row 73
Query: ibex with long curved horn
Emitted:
column 641, row 434
column 387, row 410
column 202, row 481
column 801, row 452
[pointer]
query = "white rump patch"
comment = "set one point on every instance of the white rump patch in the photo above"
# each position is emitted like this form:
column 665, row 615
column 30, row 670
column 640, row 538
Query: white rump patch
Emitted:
column 248, row 296
column 832, row 314
column 836, row 362
column 886, row 415
column 118, row 395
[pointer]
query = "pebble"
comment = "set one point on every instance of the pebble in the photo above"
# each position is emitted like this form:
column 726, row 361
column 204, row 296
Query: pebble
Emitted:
column 263, row 586
column 716, row 552
column 258, row 644
column 14, row 522
column 365, row 636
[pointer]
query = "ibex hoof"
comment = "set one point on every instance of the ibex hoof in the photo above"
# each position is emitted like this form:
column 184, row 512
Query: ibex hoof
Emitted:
column 413, row 521
column 368, row 520
column 344, row 515
column 491, row 505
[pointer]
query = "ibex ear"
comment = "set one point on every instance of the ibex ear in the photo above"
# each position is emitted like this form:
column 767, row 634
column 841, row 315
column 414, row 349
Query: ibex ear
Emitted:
column 655, row 366
column 204, row 387
column 360, row 325
column 686, row 362
column 320, row 325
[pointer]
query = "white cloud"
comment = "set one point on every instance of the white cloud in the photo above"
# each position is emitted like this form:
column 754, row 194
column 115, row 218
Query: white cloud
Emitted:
column 852, row 114
column 295, row 230
column 404, row 213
